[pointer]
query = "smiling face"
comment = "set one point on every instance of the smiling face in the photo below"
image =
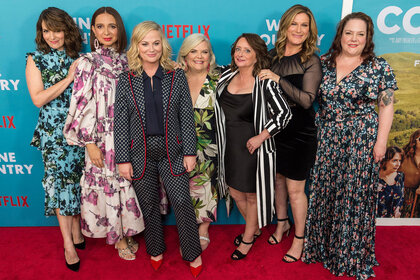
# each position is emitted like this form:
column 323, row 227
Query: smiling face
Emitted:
column 353, row 39
column 150, row 48
column 393, row 164
column 54, row 39
column 244, row 55
column 298, row 30
column 106, row 30
column 198, row 59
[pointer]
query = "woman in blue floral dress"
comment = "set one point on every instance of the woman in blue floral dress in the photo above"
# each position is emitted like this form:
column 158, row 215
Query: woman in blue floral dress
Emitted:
column 197, row 58
column 340, row 228
column 49, row 73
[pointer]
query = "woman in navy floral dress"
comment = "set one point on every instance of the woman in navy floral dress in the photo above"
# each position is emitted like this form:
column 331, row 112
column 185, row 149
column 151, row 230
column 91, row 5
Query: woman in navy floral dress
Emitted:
column 340, row 229
column 49, row 73
column 391, row 184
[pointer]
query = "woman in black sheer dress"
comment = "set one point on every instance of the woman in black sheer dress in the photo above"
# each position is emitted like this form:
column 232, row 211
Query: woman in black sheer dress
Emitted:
column 297, row 69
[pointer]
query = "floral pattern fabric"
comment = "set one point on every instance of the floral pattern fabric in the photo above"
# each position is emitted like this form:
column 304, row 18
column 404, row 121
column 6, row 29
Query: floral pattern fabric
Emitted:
column 203, row 179
column 340, row 228
column 390, row 197
column 109, row 205
column 63, row 164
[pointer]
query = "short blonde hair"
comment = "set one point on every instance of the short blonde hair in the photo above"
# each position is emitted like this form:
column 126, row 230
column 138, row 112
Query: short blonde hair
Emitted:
column 309, row 46
column 135, row 63
column 191, row 42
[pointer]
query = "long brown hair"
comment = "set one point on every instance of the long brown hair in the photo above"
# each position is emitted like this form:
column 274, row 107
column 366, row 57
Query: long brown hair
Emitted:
column 410, row 148
column 260, row 48
column 57, row 20
column 122, row 35
column 309, row 46
column 335, row 49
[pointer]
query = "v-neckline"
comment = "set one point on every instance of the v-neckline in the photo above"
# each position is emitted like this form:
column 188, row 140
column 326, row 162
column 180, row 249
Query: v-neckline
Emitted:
column 337, row 82
column 199, row 93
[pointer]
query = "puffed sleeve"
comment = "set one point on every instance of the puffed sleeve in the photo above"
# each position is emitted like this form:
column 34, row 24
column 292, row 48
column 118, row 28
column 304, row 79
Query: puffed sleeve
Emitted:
column 80, row 126
column 186, row 117
column 387, row 80
column 279, row 109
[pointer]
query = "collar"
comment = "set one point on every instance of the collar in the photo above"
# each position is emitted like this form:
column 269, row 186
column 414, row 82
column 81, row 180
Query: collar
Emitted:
column 158, row 74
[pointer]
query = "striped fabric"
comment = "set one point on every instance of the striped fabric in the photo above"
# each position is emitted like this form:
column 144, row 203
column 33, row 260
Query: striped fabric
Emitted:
column 271, row 112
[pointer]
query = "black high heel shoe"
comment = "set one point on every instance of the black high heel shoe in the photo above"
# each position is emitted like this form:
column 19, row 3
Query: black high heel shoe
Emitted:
column 238, row 255
column 287, row 232
column 294, row 259
column 238, row 239
column 80, row 246
column 74, row 266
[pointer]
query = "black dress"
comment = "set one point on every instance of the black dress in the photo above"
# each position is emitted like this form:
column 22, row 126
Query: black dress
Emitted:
column 240, row 165
column 296, row 145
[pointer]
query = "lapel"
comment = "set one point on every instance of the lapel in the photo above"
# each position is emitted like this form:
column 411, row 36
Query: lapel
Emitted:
column 136, row 82
column 224, row 81
column 167, row 92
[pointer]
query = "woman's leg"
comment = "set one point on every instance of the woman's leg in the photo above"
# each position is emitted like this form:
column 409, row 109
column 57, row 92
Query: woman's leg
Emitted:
column 240, row 200
column 65, row 223
column 299, row 203
column 280, row 200
column 76, row 233
column 203, row 231
column 251, row 222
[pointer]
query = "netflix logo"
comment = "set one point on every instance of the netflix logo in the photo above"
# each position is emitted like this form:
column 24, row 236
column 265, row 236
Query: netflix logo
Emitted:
column 14, row 201
column 182, row 30
column 7, row 122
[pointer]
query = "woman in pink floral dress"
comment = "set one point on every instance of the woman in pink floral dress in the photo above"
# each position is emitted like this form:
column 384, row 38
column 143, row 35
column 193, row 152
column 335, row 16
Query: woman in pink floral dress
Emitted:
column 109, row 205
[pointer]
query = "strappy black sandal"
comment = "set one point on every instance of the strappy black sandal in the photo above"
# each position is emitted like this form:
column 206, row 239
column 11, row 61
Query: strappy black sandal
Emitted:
column 290, row 256
column 287, row 232
column 238, row 239
column 238, row 255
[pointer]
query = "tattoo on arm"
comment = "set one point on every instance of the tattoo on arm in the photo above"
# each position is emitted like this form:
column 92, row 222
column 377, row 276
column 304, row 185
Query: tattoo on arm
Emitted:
column 386, row 96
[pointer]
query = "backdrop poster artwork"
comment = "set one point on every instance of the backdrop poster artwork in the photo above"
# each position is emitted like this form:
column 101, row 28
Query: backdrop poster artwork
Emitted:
column 397, row 39
column 21, row 168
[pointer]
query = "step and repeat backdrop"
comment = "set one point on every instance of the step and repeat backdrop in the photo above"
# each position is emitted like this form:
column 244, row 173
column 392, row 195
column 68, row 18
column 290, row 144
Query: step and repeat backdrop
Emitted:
column 397, row 38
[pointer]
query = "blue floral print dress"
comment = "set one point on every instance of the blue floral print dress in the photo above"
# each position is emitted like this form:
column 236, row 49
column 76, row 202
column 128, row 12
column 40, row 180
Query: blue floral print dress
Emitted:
column 63, row 164
column 340, row 228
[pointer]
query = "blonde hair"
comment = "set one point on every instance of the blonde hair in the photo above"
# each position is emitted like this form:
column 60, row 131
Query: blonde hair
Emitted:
column 191, row 42
column 309, row 46
column 135, row 63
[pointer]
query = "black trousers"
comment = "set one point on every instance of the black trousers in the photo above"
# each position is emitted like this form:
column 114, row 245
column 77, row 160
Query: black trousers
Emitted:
column 177, row 189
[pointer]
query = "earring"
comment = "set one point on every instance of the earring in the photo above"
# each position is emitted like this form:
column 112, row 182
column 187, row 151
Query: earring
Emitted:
column 96, row 44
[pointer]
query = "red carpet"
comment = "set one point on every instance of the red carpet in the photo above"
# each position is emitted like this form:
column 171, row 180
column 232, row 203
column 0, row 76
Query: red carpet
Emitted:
column 36, row 253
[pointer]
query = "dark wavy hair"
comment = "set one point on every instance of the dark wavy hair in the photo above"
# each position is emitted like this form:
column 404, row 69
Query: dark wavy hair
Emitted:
column 260, row 48
column 410, row 148
column 58, row 20
column 389, row 154
column 122, row 35
column 335, row 49
column 309, row 46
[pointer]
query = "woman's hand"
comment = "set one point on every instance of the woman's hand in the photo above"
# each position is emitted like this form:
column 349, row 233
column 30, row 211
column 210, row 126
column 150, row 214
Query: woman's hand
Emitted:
column 189, row 163
column 72, row 70
column 254, row 143
column 379, row 152
column 95, row 155
column 268, row 74
column 126, row 170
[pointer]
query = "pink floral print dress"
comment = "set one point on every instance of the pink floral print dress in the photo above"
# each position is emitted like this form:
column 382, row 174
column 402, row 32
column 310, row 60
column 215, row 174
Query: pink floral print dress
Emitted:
column 109, row 205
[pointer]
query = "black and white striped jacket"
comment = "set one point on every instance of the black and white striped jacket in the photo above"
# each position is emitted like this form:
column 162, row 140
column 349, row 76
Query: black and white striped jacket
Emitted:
column 271, row 112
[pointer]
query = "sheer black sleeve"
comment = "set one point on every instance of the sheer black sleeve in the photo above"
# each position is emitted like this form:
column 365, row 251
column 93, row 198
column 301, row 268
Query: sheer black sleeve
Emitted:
column 312, row 74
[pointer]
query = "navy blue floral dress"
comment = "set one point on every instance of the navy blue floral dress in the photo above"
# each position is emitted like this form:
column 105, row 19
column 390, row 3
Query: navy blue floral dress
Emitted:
column 63, row 164
column 340, row 228
column 390, row 197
